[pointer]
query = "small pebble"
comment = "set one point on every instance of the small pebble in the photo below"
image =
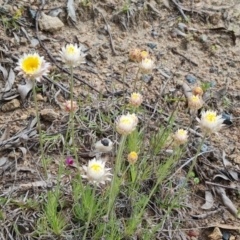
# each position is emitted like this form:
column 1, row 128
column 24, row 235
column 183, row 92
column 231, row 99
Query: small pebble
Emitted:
column 152, row 45
column 154, row 33
column 182, row 26
column 212, row 84
column 203, row 37
column 147, row 78
column 204, row 148
column 191, row 79
column 227, row 118
column 213, row 69
column 225, row 235
column 232, row 64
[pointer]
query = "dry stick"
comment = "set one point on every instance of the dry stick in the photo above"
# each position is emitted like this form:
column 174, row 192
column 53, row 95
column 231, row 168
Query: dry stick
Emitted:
column 219, row 185
column 57, row 84
column 176, row 52
column 50, row 55
column 109, row 33
column 205, row 215
column 180, row 10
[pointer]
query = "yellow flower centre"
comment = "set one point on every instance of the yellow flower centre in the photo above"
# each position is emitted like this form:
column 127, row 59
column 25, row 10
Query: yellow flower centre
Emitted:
column 147, row 61
column 133, row 155
column 96, row 167
column 181, row 132
column 195, row 98
column 31, row 64
column 71, row 49
column 144, row 54
column 211, row 117
column 126, row 120
column 135, row 95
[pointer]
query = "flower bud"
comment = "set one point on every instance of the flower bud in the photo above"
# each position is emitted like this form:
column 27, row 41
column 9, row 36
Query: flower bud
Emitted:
column 132, row 157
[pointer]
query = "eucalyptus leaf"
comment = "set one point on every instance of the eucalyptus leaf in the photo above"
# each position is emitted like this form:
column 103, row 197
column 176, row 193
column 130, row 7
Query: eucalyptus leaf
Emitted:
column 25, row 89
column 4, row 72
column 3, row 160
column 71, row 10
column 209, row 201
column 10, row 81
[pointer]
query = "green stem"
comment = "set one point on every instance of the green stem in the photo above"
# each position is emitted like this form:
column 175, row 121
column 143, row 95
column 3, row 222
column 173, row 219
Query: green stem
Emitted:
column 90, row 213
column 116, row 181
column 72, row 113
column 39, row 128
column 72, row 116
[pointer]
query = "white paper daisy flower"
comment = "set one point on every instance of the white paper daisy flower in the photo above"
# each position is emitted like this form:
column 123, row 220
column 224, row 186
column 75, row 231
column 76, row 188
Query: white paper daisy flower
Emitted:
column 72, row 55
column 96, row 172
column 210, row 122
column 32, row 66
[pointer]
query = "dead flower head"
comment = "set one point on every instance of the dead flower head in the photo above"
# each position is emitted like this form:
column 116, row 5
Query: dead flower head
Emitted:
column 32, row 66
column 134, row 54
column 197, row 91
column 72, row 55
column 126, row 124
column 210, row 122
column 96, row 172
column 68, row 106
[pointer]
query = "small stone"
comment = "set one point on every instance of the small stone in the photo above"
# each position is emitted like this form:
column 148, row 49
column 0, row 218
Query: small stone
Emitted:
column 146, row 24
column 203, row 38
column 40, row 97
column 225, row 235
column 105, row 46
column 191, row 79
column 49, row 115
column 232, row 64
column 216, row 234
column 154, row 33
column 212, row 83
column 50, row 24
column 147, row 78
column 23, row 41
column 152, row 45
column 215, row 18
column 14, row 155
column 213, row 69
column 12, row 105
column 227, row 118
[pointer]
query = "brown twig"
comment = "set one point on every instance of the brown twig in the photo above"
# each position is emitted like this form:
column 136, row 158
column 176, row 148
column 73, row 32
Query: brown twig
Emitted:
column 223, row 186
column 178, row 53
column 109, row 33
column 180, row 10
column 206, row 215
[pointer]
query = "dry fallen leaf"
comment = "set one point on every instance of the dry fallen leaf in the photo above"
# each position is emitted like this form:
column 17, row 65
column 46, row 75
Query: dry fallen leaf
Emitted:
column 166, row 4
column 209, row 200
column 24, row 89
column 71, row 11
column 10, row 81
column 6, row 134
column 227, row 202
column 3, row 160
column 4, row 72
